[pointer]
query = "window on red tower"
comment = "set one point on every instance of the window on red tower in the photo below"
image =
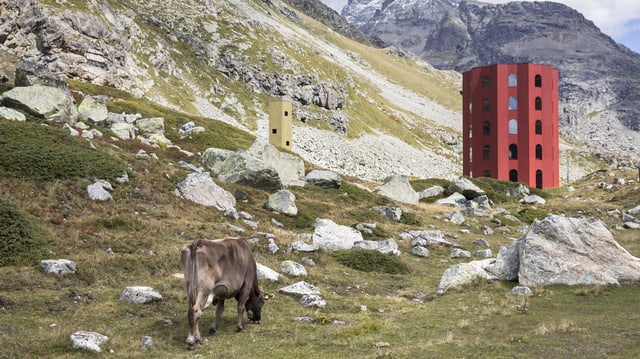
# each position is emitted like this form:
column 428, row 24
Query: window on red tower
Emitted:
column 538, row 152
column 486, row 83
column 486, row 128
column 513, row 151
column 538, row 81
column 486, row 104
column 538, row 127
column 486, row 152
column 513, row 80
column 487, row 173
column 538, row 103
column 513, row 126
column 513, row 103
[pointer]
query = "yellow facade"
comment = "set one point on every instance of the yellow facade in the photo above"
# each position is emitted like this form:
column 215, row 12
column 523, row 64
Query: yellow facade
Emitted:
column 280, row 124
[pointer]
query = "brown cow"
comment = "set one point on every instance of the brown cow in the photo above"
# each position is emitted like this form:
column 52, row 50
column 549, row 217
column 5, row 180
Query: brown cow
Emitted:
column 215, row 270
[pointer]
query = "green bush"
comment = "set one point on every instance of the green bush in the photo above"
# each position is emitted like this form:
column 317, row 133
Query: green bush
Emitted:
column 370, row 261
column 22, row 242
column 528, row 215
column 33, row 151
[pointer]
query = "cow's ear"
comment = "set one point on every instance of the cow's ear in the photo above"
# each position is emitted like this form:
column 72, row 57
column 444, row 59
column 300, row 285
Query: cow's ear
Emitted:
column 268, row 296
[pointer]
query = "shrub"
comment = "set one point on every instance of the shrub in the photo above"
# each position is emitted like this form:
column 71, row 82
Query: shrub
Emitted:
column 370, row 261
column 528, row 215
column 33, row 151
column 21, row 240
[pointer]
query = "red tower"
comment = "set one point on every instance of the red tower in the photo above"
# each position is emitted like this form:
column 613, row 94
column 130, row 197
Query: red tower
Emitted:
column 510, row 123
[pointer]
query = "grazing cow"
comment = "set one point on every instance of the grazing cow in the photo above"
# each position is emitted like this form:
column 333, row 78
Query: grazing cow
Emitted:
column 215, row 270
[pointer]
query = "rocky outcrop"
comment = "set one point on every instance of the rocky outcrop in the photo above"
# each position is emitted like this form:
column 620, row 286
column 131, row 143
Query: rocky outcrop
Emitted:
column 44, row 102
column 574, row 251
column 200, row 188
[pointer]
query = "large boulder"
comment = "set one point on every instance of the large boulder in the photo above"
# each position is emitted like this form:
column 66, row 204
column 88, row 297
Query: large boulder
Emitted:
column 48, row 103
column 573, row 251
column 465, row 273
column 283, row 201
column 212, row 158
column 247, row 170
column 398, row 188
column 200, row 188
column 323, row 179
column 507, row 263
column 331, row 236
column 88, row 340
column 465, row 187
column 290, row 168
column 94, row 109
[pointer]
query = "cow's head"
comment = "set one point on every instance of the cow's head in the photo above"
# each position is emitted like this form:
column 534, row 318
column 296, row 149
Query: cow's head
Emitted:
column 254, row 306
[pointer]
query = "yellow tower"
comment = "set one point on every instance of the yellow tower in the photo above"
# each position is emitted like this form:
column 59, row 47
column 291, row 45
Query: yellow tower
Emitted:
column 280, row 124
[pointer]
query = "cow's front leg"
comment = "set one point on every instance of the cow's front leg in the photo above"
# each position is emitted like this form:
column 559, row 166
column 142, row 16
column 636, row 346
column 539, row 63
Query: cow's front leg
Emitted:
column 241, row 307
column 219, row 310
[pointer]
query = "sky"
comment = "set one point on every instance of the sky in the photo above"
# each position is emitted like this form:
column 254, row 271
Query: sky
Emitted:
column 620, row 19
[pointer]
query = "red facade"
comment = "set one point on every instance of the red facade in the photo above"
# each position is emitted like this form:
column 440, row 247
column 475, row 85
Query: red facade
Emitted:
column 510, row 123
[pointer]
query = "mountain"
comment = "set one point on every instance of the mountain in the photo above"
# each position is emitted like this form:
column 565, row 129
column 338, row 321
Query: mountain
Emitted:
column 599, row 78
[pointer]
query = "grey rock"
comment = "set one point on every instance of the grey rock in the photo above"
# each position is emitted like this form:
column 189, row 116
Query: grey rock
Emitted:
column 140, row 295
column 521, row 290
column 331, row 236
column 634, row 211
column 481, row 242
column 424, row 238
column 124, row 130
column 456, row 218
column 43, row 102
column 533, row 199
column 391, row 212
column 249, row 171
column 212, row 158
column 300, row 246
column 97, row 192
column 283, row 201
column 455, row 200
column 290, row 168
column 94, row 109
column 200, row 188
column 88, row 340
column 519, row 191
column 484, row 253
column 432, row 191
column 398, row 188
column 11, row 114
column 276, row 223
column 293, row 268
column 266, row 273
column 507, row 263
column 151, row 125
column 420, row 251
column 388, row 246
column 465, row 187
column 313, row 300
column 300, row 288
column 463, row 274
column 323, row 179
column 190, row 128
column 631, row 225
column 272, row 247
column 58, row 266
column 574, row 251
column 460, row 253
column 146, row 342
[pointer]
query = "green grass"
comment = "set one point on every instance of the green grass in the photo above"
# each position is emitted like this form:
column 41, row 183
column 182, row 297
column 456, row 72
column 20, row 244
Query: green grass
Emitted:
column 22, row 240
column 31, row 150
column 370, row 261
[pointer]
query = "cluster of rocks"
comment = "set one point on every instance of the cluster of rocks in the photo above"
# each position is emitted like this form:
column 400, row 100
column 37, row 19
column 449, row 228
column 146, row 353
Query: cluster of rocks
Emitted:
column 556, row 250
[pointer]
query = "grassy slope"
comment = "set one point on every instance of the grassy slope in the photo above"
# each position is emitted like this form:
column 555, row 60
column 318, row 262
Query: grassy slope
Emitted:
column 41, row 311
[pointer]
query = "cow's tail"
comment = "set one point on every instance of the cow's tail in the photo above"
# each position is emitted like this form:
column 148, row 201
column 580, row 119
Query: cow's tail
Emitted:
column 192, row 288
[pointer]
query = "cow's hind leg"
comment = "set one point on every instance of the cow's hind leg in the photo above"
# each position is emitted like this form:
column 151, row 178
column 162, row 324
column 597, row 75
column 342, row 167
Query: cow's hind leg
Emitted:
column 219, row 310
